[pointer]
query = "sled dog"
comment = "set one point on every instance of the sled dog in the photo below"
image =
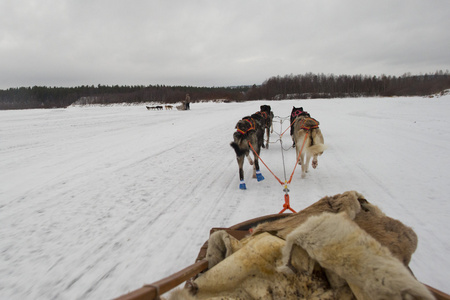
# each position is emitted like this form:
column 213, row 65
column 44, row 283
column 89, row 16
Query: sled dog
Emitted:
column 307, row 134
column 296, row 112
column 258, row 120
column 246, row 134
column 159, row 107
column 268, row 125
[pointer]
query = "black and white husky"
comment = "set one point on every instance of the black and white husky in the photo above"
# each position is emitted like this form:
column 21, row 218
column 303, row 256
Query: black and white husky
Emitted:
column 247, row 131
column 267, row 113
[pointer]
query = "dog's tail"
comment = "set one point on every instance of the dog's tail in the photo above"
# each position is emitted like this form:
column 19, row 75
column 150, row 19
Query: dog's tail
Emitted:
column 316, row 149
column 237, row 149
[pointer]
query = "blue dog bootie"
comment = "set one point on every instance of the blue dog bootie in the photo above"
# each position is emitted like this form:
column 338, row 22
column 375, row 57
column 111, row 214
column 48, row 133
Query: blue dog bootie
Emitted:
column 242, row 185
column 259, row 176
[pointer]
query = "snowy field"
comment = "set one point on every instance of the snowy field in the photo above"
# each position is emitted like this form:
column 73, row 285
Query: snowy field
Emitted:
column 97, row 201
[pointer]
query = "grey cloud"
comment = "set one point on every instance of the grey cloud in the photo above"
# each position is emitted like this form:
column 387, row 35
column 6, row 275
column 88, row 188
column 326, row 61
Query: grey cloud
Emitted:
column 211, row 42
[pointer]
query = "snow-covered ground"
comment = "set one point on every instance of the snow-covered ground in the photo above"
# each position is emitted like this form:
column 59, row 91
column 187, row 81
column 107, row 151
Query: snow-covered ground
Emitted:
column 97, row 201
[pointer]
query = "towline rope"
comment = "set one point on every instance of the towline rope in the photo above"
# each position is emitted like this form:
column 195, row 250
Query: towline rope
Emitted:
column 286, row 205
column 292, row 174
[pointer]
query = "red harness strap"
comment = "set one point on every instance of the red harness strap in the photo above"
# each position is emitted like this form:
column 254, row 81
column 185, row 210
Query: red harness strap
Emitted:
column 263, row 114
column 298, row 113
column 252, row 126
column 312, row 123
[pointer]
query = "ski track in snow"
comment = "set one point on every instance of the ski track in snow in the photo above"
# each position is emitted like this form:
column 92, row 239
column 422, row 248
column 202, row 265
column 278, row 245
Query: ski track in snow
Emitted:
column 98, row 201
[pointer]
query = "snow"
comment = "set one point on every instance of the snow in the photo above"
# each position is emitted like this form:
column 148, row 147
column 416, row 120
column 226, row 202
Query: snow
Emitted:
column 97, row 201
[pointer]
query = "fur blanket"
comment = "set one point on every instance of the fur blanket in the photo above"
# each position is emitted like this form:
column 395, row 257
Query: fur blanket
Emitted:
column 341, row 247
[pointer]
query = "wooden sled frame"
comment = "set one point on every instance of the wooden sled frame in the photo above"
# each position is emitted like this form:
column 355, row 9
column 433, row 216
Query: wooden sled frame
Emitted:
column 155, row 290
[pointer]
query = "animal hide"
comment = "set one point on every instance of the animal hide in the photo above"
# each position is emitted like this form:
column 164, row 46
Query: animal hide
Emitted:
column 400, row 239
column 341, row 247
column 220, row 246
column 251, row 273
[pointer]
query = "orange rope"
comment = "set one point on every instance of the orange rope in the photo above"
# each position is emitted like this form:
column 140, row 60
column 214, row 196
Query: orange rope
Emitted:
column 264, row 163
column 296, row 163
column 281, row 135
column 286, row 204
column 298, row 158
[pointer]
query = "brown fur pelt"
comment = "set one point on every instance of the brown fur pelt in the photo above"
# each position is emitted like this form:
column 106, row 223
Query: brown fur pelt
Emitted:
column 349, row 201
column 251, row 273
column 401, row 240
column 220, row 246
column 340, row 245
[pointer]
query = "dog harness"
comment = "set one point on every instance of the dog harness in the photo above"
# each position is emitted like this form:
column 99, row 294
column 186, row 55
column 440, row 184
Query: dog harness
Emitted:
column 262, row 113
column 265, row 116
column 309, row 123
column 252, row 126
column 299, row 113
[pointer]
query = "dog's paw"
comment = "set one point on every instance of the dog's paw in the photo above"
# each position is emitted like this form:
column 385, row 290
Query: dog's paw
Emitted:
column 315, row 163
column 259, row 176
column 242, row 186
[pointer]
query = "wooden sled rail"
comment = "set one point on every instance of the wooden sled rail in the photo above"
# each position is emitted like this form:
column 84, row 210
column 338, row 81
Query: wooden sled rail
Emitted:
column 437, row 293
column 156, row 289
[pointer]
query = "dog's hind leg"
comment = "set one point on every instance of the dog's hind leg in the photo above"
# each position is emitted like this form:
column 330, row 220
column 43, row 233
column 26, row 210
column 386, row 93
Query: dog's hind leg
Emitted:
column 256, row 171
column 315, row 162
column 256, row 164
column 240, row 161
column 297, row 151
column 250, row 161
column 317, row 147
column 305, row 166
column 240, row 157
column 301, row 159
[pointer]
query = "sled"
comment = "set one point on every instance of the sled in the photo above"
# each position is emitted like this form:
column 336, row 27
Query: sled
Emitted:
column 238, row 231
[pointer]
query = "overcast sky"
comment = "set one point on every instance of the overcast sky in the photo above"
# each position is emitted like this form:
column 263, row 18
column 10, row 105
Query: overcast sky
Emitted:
column 216, row 42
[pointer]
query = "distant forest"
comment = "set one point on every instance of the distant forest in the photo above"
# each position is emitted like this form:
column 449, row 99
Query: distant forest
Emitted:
column 307, row 86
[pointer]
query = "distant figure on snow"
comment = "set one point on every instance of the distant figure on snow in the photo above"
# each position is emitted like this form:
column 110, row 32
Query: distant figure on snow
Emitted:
column 187, row 102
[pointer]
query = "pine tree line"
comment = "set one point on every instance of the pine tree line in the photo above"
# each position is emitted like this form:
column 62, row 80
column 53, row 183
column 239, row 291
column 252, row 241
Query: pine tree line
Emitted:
column 291, row 86
column 330, row 86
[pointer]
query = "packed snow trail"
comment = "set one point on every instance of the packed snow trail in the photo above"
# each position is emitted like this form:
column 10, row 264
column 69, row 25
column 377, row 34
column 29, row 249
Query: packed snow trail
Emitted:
column 98, row 201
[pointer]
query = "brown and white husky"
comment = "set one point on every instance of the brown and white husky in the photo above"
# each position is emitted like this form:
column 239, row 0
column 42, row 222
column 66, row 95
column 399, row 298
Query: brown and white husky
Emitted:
column 309, row 140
